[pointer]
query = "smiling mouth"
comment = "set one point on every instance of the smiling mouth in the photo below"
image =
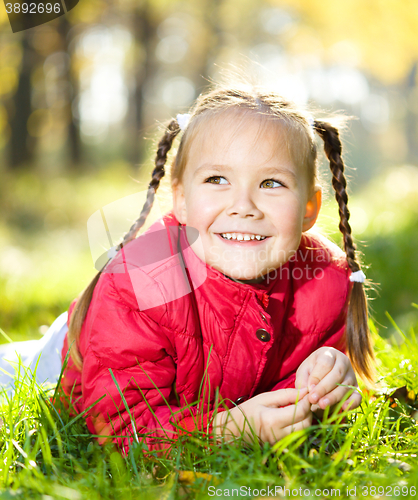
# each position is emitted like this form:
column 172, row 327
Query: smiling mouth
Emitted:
column 242, row 237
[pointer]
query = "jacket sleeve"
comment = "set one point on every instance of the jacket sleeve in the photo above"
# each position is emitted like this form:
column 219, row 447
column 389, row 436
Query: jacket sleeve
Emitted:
column 129, row 374
column 334, row 336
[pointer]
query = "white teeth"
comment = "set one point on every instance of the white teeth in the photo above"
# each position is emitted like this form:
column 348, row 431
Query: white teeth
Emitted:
column 242, row 237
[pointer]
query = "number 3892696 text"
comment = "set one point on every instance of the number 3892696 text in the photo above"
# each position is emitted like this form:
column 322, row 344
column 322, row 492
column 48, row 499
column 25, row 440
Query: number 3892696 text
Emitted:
column 34, row 8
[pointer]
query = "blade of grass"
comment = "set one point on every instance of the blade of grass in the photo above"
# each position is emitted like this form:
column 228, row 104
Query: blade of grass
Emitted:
column 2, row 332
column 125, row 404
column 77, row 417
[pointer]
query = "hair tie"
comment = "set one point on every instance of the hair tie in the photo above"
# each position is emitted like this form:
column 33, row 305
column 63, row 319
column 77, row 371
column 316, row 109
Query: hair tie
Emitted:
column 112, row 252
column 358, row 276
column 311, row 122
column 183, row 120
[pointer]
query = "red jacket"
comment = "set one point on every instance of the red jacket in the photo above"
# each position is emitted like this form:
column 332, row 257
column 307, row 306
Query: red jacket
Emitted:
column 159, row 318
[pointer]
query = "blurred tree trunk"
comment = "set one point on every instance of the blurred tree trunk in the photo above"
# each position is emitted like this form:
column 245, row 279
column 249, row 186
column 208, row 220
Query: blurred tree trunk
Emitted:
column 411, row 121
column 144, row 28
column 22, row 145
column 74, row 141
column 214, row 41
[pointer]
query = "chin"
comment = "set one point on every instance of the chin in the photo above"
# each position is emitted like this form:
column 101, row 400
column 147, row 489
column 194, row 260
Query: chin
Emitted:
column 242, row 275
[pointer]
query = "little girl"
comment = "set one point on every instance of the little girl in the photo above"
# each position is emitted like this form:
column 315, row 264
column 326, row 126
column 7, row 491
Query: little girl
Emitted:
column 227, row 298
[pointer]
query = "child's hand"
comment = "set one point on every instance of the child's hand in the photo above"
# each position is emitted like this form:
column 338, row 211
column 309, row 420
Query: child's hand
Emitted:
column 321, row 372
column 269, row 422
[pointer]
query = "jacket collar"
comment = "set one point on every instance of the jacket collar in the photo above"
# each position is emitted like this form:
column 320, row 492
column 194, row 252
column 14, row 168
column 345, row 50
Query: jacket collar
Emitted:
column 275, row 281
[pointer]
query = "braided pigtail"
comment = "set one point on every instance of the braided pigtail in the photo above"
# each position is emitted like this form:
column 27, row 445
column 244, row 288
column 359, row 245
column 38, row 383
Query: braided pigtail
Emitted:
column 82, row 305
column 359, row 342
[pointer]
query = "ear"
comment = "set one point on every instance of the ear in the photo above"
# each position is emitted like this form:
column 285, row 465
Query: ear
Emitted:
column 179, row 202
column 312, row 209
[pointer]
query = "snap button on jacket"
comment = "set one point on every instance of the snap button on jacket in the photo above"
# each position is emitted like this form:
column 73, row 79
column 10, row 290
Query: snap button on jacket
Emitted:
column 263, row 335
column 172, row 330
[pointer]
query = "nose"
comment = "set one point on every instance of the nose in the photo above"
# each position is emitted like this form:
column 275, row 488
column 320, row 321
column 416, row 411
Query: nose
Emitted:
column 243, row 205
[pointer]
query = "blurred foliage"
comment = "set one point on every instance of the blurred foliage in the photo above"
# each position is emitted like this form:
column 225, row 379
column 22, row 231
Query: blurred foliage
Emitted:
column 97, row 79
column 45, row 258
column 379, row 35
column 384, row 221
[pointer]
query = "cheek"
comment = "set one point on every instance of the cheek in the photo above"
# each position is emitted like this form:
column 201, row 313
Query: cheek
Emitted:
column 288, row 219
column 203, row 209
column 287, row 211
column 204, row 205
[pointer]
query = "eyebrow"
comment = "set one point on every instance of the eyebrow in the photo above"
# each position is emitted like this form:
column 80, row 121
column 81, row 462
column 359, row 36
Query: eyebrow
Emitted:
column 267, row 171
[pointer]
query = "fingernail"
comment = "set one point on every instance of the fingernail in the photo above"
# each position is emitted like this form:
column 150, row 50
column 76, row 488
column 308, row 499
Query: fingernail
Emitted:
column 312, row 387
column 314, row 397
column 325, row 401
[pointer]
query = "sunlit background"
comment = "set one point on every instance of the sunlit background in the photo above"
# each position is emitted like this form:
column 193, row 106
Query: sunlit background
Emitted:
column 83, row 99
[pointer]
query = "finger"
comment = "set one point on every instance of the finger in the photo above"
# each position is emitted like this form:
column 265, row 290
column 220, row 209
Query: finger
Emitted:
column 303, row 424
column 302, row 378
column 302, row 373
column 282, row 397
column 338, row 394
column 336, row 376
column 353, row 401
column 315, row 408
column 278, row 433
column 278, row 418
column 324, row 364
column 294, row 413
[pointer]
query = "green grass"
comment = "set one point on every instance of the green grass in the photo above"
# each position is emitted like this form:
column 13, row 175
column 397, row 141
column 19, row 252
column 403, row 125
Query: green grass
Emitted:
column 371, row 453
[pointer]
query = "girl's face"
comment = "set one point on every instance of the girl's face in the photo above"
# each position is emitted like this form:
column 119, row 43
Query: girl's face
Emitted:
column 240, row 183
